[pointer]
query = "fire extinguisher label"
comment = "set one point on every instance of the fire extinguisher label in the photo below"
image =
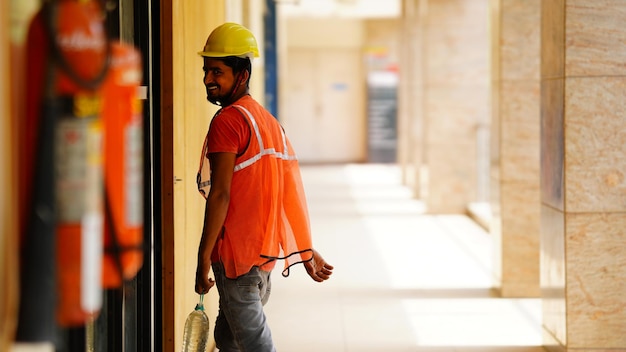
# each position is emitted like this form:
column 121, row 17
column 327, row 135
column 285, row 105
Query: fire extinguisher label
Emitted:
column 79, row 186
column 133, row 177
column 78, row 167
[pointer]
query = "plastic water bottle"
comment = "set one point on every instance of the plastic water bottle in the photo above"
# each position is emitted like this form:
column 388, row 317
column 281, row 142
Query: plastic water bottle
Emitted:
column 196, row 335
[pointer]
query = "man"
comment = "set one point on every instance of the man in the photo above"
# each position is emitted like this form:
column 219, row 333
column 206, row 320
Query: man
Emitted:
column 255, row 210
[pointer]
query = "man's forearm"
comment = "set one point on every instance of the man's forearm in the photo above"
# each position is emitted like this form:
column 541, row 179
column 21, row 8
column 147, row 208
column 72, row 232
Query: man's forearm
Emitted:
column 214, row 216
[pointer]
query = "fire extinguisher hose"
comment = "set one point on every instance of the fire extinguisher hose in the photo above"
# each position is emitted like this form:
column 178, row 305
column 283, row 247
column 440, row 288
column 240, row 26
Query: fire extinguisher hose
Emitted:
column 116, row 249
column 38, row 262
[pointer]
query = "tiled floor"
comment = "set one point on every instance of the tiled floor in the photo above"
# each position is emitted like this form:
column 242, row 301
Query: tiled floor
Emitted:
column 403, row 281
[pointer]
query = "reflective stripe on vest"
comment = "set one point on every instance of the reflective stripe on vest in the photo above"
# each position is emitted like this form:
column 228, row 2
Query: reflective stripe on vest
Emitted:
column 262, row 150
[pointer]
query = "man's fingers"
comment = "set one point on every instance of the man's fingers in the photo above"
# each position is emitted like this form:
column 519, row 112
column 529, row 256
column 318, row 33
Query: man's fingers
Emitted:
column 322, row 275
column 318, row 269
column 204, row 287
column 200, row 289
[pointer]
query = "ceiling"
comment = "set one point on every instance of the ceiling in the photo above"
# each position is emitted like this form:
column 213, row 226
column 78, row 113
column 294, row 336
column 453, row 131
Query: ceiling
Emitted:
column 340, row 8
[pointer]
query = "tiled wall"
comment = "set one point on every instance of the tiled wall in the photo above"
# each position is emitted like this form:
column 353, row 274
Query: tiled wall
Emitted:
column 583, row 188
column 515, row 145
column 456, row 96
column 411, row 97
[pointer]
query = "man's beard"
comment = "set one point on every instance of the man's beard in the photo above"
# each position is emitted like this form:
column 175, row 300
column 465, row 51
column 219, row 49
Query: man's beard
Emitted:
column 220, row 99
column 215, row 99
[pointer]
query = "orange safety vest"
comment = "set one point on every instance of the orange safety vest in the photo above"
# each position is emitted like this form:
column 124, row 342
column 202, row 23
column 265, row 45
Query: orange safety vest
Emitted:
column 267, row 216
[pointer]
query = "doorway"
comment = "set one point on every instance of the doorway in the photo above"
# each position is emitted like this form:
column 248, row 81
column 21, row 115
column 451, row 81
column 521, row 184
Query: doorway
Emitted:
column 325, row 105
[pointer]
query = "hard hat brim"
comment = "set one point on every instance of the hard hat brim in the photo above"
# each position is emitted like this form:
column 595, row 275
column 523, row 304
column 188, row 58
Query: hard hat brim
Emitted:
column 220, row 54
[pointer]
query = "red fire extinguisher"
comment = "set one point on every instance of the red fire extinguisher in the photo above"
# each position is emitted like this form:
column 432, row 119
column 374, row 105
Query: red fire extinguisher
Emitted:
column 122, row 117
column 82, row 157
column 61, row 243
column 81, row 52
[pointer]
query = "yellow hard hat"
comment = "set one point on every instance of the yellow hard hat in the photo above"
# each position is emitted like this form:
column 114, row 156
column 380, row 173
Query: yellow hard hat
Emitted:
column 230, row 39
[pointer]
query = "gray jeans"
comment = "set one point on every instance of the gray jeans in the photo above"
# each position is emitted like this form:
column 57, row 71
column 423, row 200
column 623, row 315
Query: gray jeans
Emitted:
column 241, row 325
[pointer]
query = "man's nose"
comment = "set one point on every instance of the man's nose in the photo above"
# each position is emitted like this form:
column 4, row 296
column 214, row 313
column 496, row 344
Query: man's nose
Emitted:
column 208, row 78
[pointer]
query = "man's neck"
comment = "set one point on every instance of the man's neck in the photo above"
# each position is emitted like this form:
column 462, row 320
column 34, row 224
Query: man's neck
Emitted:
column 238, row 96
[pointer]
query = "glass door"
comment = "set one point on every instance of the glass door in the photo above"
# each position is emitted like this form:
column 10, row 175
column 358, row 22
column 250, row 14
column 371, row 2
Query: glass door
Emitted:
column 131, row 315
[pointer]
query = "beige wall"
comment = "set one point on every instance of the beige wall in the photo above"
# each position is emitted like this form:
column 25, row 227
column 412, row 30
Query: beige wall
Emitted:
column 383, row 35
column 328, row 33
column 191, row 23
column 8, row 232
column 15, row 16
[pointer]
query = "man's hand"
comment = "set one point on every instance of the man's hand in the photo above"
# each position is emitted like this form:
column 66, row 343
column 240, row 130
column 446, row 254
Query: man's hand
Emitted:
column 203, row 283
column 317, row 268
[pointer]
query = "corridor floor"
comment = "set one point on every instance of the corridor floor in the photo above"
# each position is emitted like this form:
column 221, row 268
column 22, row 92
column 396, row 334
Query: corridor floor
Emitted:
column 403, row 280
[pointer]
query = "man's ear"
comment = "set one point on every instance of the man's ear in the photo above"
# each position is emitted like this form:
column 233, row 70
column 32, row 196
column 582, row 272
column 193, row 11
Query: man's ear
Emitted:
column 245, row 76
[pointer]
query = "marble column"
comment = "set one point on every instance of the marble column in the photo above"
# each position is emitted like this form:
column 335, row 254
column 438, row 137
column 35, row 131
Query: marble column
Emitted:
column 410, row 103
column 515, row 113
column 583, row 174
column 455, row 100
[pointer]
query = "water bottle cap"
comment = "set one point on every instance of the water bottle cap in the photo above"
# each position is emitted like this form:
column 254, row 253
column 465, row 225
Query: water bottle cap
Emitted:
column 200, row 306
